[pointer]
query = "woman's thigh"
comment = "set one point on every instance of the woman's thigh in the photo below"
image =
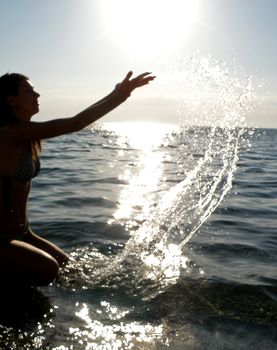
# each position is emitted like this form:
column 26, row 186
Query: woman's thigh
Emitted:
column 50, row 248
column 22, row 262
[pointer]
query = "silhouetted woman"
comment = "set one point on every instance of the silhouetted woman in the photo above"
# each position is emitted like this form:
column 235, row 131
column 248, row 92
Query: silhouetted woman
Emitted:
column 26, row 257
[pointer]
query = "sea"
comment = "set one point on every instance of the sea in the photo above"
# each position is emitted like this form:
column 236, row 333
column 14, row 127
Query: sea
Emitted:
column 171, row 234
column 170, row 229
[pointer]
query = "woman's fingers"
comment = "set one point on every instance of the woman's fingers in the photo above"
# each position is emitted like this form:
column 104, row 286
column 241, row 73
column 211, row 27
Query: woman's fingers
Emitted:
column 142, row 79
column 141, row 76
column 128, row 76
column 137, row 78
column 128, row 85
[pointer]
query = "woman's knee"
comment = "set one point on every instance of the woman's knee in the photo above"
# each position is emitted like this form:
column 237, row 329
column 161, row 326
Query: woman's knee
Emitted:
column 48, row 247
column 46, row 270
column 23, row 262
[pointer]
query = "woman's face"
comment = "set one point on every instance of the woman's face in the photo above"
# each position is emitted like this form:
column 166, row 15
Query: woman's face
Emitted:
column 25, row 103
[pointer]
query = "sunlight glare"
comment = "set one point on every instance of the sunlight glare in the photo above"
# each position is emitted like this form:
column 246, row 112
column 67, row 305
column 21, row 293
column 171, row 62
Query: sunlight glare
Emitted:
column 136, row 199
column 141, row 135
column 94, row 334
column 155, row 26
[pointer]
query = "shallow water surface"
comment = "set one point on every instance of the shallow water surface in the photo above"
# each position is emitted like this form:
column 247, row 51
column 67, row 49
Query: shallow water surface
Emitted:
column 138, row 278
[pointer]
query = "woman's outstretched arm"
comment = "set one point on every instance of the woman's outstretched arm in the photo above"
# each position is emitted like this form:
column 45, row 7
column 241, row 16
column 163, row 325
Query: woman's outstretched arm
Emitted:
column 23, row 131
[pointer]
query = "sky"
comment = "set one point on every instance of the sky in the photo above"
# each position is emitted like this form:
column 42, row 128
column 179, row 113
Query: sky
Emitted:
column 76, row 51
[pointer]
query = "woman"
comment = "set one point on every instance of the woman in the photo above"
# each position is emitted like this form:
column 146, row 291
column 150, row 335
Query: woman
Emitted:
column 24, row 256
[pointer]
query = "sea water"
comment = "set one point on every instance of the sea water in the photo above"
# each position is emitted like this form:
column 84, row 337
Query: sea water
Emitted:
column 170, row 231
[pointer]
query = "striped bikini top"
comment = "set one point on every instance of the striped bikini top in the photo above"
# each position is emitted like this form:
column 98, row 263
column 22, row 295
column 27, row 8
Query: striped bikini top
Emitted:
column 27, row 167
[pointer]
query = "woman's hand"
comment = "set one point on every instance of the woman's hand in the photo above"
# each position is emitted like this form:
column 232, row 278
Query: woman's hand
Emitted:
column 128, row 85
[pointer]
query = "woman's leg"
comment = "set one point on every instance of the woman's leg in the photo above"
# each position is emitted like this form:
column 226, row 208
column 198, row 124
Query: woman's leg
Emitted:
column 23, row 263
column 50, row 248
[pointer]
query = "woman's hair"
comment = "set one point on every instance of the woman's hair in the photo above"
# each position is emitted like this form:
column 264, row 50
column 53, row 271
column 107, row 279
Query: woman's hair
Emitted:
column 9, row 84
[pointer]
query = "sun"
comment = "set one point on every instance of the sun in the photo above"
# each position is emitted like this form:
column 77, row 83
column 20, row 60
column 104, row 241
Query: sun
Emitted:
column 149, row 26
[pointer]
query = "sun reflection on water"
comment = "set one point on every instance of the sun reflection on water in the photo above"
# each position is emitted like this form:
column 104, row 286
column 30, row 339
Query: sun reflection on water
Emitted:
column 137, row 198
column 141, row 135
column 95, row 334
column 145, row 182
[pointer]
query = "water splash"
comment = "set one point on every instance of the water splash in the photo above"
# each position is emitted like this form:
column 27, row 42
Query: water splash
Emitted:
column 216, row 107
column 212, row 104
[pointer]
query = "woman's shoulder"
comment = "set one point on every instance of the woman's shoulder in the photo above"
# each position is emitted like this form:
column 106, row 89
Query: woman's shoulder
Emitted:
column 10, row 135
